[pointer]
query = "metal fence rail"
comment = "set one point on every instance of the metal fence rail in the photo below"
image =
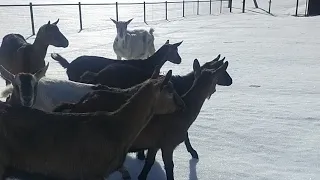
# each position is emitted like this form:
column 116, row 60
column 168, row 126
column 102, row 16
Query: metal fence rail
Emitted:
column 118, row 5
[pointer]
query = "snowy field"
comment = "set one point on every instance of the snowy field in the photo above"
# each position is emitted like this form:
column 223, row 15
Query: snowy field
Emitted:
column 264, row 126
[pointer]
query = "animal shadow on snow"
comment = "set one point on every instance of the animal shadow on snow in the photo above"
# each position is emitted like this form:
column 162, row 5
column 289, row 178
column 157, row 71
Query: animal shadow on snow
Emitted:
column 134, row 166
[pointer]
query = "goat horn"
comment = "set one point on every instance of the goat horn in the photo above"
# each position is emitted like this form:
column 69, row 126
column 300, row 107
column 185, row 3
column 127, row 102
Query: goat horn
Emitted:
column 56, row 22
column 6, row 74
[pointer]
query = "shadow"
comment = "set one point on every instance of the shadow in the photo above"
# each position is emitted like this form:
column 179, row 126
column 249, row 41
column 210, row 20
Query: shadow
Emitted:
column 266, row 11
column 80, row 30
column 193, row 169
column 134, row 166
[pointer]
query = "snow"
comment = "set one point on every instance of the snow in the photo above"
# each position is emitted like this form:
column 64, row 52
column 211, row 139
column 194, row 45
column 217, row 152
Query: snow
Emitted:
column 264, row 126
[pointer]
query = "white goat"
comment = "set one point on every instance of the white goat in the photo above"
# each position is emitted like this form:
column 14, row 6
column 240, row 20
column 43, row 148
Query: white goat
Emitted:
column 42, row 92
column 133, row 44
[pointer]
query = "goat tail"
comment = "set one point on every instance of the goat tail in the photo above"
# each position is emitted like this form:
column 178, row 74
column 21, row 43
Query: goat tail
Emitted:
column 62, row 61
column 151, row 31
column 7, row 91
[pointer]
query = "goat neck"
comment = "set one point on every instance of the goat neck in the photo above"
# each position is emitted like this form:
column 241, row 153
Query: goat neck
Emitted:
column 182, row 83
column 136, row 113
column 158, row 58
column 40, row 46
column 195, row 98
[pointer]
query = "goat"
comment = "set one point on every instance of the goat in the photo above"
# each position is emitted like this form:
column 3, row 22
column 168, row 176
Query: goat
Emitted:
column 74, row 145
column 132, row 44
column 17, row 55
column 168, row 52
column 47, row 93
column 183, row 83
column 173, row 126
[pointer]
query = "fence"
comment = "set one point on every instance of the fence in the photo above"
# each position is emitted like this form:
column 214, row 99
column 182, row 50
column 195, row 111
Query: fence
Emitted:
column 269, row 4
column 117, row 6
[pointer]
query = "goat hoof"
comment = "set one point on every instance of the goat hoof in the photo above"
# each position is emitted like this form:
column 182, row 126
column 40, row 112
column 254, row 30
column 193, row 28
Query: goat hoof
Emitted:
column 141, row 156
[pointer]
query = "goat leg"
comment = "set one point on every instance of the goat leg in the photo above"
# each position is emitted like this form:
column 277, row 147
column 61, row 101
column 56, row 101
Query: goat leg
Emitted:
column 140, row 155
column 148, row 163
column 167, row 157
column 2, row 172
column 190, row 149
column 124, row 173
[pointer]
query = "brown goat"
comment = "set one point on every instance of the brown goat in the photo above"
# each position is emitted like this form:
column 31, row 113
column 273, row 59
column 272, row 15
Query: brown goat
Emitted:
column 17, row 55
column 75, row 145
column 166, row 132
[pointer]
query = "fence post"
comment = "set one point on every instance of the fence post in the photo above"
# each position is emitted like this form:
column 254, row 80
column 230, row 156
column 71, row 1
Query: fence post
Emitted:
column 220, row 6
column 306, row 10
column 230, row 5
column 297, row 5
column 183, row 8
column 32, row 21
column 144, row 12
column 269, row 6
column 117, row 14
column 243, row 6
column 210, row 7
column 166, row 3
column 80, row 15
column 198, row 7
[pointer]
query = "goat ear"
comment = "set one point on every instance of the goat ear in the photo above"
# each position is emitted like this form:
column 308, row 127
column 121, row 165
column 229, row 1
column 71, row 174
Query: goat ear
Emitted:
column 177, row 44
column 167, row 42
column 114, row 21
column 222, row 68
column 6, row 74
column 48, row 22
column 217, row 58
column 55, row 23
column 166, row 79
column 42, row 72
column 196, row 68
column 156, row 72
column 129, row 21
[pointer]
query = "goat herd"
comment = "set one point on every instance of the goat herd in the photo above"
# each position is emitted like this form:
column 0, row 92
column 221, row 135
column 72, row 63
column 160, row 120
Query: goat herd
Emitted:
column 83, row 128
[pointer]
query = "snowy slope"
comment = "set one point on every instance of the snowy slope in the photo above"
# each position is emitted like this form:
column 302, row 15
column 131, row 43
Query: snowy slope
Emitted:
column 266, row 131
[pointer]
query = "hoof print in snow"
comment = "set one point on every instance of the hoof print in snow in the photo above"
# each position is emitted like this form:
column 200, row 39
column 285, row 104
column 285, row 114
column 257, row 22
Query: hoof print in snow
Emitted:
column 256, row 86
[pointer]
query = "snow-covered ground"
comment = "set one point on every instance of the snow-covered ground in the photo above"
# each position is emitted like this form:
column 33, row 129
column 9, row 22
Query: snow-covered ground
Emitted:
column 266, row 131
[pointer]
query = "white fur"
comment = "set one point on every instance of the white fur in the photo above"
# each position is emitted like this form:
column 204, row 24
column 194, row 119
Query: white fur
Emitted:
column 53, row 92
column 136, row 44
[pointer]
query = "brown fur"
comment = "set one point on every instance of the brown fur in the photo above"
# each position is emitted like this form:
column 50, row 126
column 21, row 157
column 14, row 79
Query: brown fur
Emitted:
column 74, row 145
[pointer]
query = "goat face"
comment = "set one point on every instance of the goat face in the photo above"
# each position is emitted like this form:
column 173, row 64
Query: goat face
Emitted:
column 52, row 35
column 25, row 87
column 121, row 27
column 172, row 53
column 210, row 76
column 169, row 101
column 164, row 103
